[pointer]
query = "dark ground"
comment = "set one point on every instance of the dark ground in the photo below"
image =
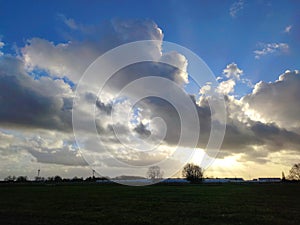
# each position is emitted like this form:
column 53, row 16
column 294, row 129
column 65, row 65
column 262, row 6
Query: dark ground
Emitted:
column 160, row 204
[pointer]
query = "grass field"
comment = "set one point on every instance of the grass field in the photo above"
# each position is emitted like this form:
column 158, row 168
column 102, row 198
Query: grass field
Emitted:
column 161, row 204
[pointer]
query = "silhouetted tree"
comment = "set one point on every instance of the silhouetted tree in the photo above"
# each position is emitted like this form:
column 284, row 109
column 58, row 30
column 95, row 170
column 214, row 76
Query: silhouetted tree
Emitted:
column 57, row 178
column 295, row 172
column 50, row 179
column 21, row 179
column 154, row 173
column 10, row 179
column 193, row 173
column 77, row 179
column 90, row 179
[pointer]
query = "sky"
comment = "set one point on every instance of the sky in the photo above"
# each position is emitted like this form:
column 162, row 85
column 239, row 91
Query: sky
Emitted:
column 251, row 47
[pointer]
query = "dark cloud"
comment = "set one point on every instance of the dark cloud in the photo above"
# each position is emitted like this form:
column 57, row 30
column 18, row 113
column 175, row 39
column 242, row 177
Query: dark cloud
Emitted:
column 276, row 138
column 25, row 102
column 62, row 156
column 142, row 130
column 143, row 69
column 107, row 108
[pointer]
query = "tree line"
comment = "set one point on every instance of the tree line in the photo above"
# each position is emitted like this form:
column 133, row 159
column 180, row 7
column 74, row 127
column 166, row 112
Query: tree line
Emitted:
column 195, row 173
column 190, row 172
column 55, row 179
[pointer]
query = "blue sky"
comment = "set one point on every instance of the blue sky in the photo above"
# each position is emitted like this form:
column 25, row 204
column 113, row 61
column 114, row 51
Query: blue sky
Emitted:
column 206, row 27
column 246, row 42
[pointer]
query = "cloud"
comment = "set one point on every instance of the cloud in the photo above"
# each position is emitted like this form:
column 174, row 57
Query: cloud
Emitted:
column 107, row 108
column 276, row 138
column 45, row 102
column 261, row 123
column 277, row 102
column 69, row 22
column 250, row 132
column 243, row 135
column 236, row 7
column 26, row 102
column 142, row 130
column 65, row 59
column 232, row 71
column 5, row 140
column 226, row 87
column 1, row 46
column 271, row 48
column 41, row 147
column 73, row 57
column 61, row 156
column 251, row 138
column 233, row 74
column 288, row 29
column 270, row 114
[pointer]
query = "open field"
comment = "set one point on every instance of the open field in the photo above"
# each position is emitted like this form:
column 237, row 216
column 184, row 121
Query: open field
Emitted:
column 160, row 204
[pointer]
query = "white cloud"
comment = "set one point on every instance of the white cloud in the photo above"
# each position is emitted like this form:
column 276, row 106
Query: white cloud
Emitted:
column 180, row 61
column 69, row 22
column 278, row 102
column 65, row 59
column 261, row 123
column 205, row 89
column 232, row 71
column 1, row 46
column 72, row 58
column 270, row 48
column 236, row 7
column 288, row 29
column 226, row 87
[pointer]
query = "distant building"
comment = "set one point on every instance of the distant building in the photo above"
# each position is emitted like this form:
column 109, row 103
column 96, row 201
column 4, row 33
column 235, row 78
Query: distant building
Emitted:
column 215, row 180
column 223, row 180
column 270, row 180
column 175, row 180
column 104, row 181
column 235, row 180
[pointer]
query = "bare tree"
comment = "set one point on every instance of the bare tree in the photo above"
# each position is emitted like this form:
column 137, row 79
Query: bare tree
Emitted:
column 295, row 172
column 154, row 173
column 193, row 173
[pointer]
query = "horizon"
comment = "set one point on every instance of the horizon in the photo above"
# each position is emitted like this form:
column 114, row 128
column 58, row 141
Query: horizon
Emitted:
column 50, row 102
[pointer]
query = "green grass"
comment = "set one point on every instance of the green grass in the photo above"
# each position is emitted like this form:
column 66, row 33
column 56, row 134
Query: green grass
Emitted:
column 161, row 204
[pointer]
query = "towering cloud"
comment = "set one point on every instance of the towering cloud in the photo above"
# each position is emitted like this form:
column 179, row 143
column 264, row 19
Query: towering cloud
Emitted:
column 278, row 102
column 73, row 57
